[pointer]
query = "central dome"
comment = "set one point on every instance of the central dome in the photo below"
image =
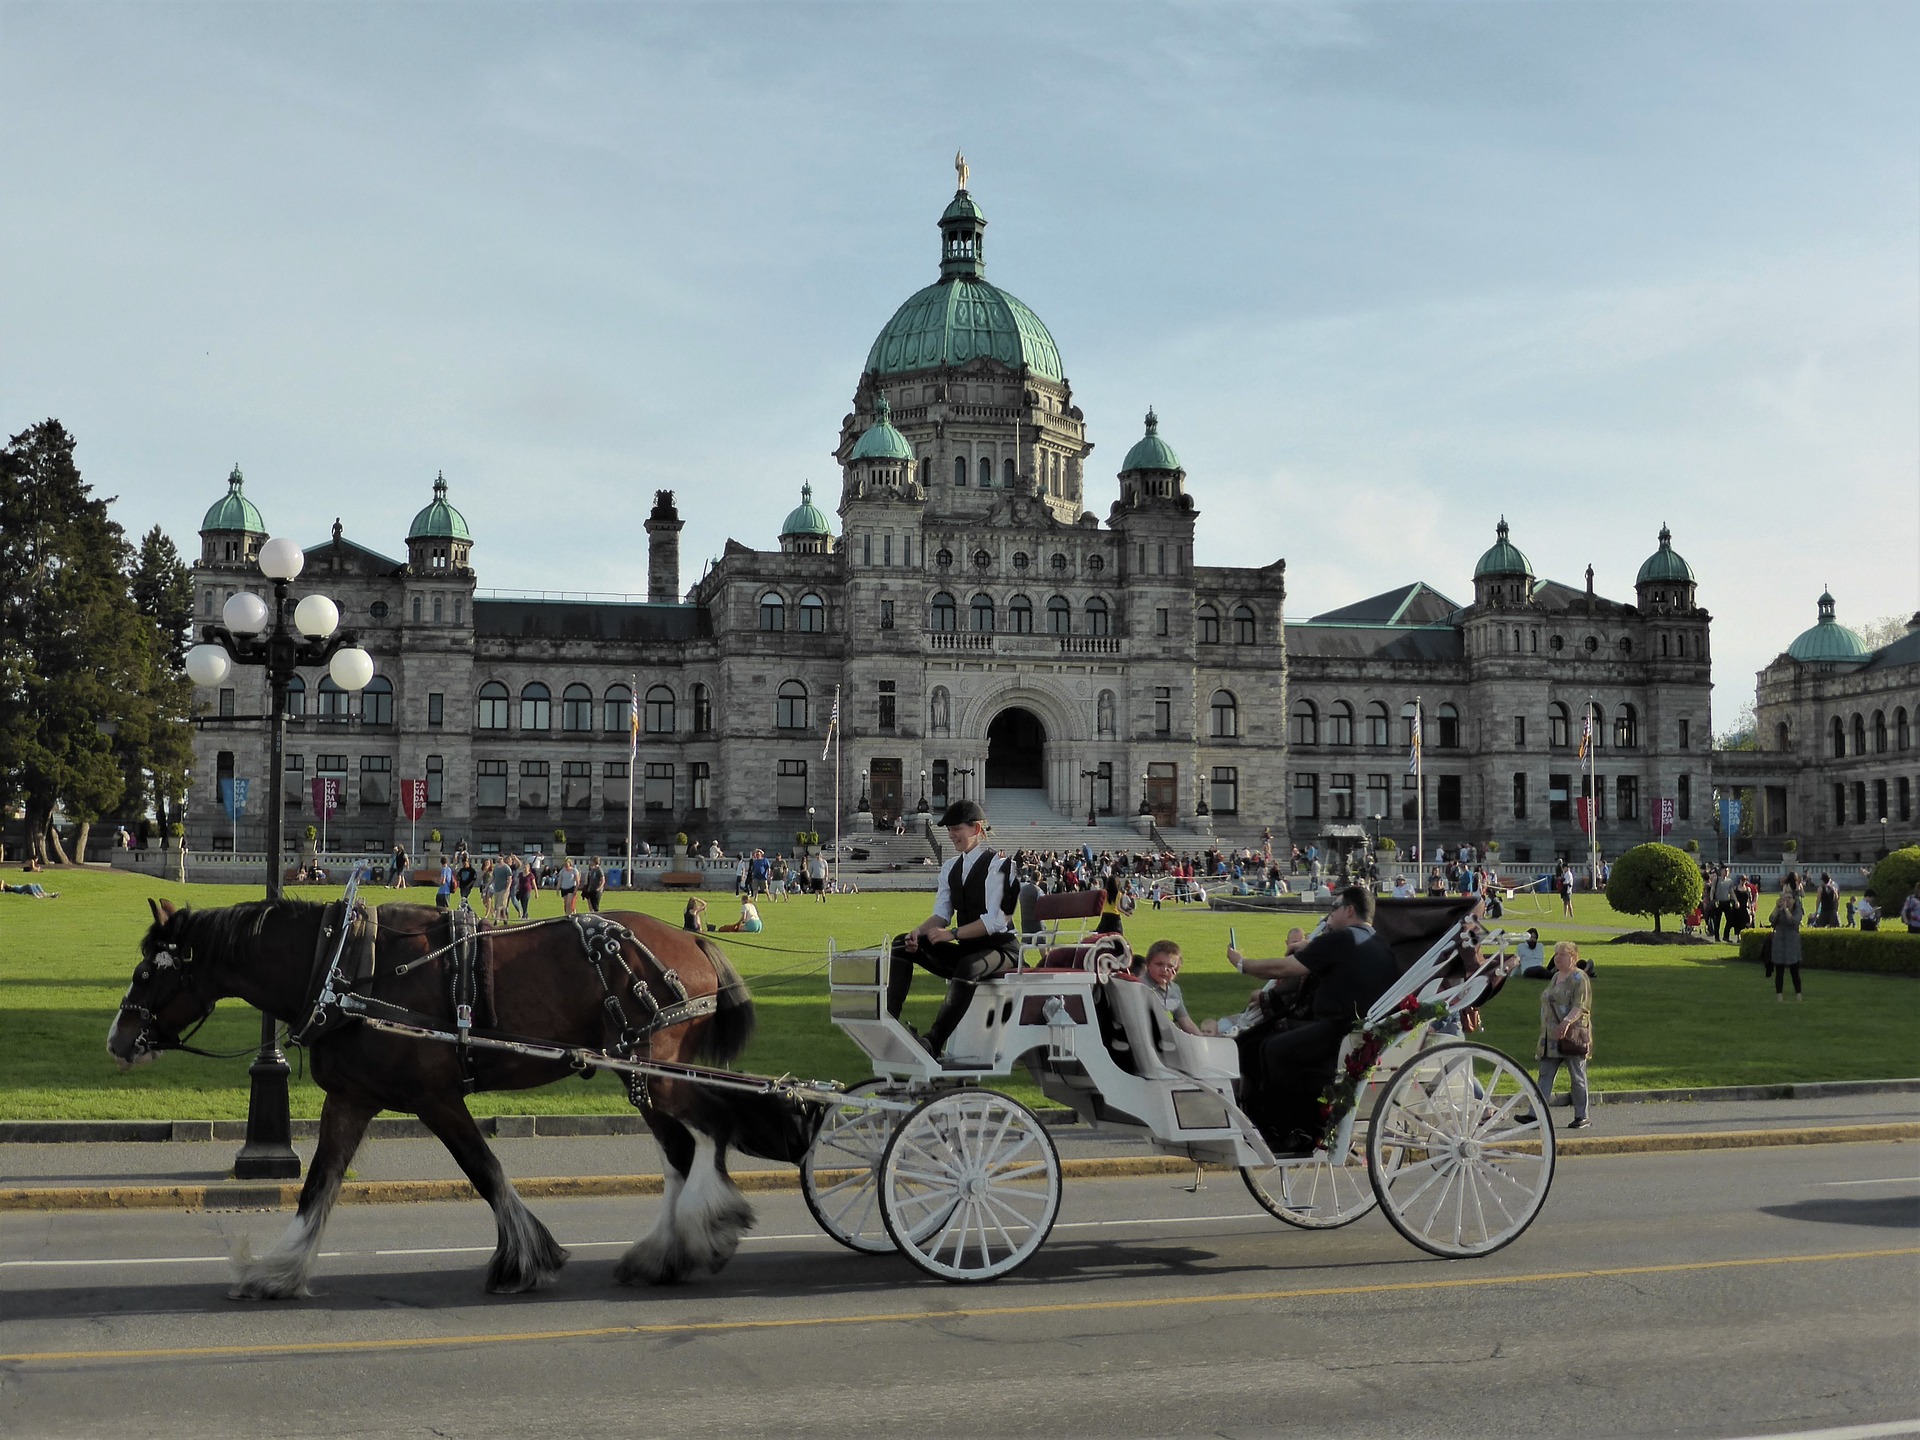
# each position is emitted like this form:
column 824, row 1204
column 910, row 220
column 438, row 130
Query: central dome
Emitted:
column 961, row 317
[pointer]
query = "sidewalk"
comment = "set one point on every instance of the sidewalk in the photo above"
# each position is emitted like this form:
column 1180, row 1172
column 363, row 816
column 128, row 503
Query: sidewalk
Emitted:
column 87, row 1165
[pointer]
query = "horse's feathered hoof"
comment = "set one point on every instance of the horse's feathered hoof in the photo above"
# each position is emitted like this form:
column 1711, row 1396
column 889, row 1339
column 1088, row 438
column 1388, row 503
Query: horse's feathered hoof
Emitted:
column 278, row 1275
column 528, row 1258
column 655, row 1260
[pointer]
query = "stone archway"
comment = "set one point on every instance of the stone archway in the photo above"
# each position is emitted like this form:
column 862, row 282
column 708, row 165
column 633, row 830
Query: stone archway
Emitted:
column 1016, row 751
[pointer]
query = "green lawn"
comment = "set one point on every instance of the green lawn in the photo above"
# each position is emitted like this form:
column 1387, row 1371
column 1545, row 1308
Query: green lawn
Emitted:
column 1664, row 1016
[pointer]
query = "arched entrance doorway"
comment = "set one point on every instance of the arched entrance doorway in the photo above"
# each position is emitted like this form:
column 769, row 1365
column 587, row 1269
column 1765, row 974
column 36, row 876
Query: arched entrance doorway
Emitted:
column 1016, row 751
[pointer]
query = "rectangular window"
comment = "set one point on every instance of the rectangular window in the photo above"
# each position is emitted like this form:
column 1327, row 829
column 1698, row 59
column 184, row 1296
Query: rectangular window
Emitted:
column 1162, row 566
column 376, row 782
column 459, row 609
column 576, row 785
column 1226, row 790
column 226, row 703
column 437, row 781
column 1859, row 802
column 1903, row 793
column 1685, row 734
column 1519, row 732
column 1143, row 569
column 886, row 549
column 1306, row 796
column 1448, row 797
column 1410, row 797
column 701, row 775
column 1160, row 618
column 333, row 767
column 1519, row 795
column 436, row 708
column 790, row 788
column 1839, row 803
column 938, row 785
column 888, row 704
column 659, row 792
column 1880, row 800
column 1340, row 796
column 1379, row 795
column 1162, row 710
column 1558, row 807
column 1595, row 788
column 533, row 784
column 906, row 551
column 1626, row 792
column 1683, row 797
column 886, row 614
column 439, row 605
column 1103, row 786
column 866, row 548
column 613, row 785
column 416, row 609
column 294, row 782
column 489, row 785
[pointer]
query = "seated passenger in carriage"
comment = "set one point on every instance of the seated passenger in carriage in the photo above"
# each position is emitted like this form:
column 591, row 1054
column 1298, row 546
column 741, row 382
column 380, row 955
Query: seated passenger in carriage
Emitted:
column 1159, row 971
column 1342, row 971
column 970, row 935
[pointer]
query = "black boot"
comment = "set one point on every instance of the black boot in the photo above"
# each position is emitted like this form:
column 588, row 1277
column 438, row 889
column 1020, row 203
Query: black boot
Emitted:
column 952, row 1011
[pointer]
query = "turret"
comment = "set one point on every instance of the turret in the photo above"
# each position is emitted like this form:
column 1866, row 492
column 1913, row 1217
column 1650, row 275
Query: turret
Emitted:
column 233, row 531
column 663, row 550
column 1503, row 578
column 438, row 542
column 1666, row 582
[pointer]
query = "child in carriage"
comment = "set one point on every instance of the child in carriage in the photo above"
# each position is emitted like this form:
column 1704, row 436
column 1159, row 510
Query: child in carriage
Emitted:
column 1158, row 969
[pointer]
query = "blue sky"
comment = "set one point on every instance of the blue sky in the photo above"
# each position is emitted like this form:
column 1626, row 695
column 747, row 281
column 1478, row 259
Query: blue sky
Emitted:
column 1387, row 272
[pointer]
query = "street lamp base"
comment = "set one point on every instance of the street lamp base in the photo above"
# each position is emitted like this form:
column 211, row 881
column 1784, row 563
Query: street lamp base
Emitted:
column 268, row 1153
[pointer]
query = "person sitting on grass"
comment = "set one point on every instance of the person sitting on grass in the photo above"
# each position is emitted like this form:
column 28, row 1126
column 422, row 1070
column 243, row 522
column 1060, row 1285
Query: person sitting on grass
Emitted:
column 1159, row 971
column 695, row 918
column 1533, row 956
column 749, row 921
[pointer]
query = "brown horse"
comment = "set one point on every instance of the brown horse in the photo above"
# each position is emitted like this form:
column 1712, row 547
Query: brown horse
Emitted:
column 544, row 983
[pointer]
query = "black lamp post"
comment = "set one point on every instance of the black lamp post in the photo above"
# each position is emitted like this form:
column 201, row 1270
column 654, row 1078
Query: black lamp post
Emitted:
column 923, row 793
column 258, row 634
column 965, row 773
column 1090, row 776
column 1145, row 808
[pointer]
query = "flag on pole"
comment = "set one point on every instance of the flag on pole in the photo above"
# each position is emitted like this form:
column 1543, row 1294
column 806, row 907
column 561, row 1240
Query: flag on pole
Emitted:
column 1413, row 756
column 1586, row 736
column 833, row 721
column 633, row 718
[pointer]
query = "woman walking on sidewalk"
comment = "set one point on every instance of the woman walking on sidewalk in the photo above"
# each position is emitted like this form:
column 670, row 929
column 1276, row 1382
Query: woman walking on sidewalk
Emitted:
column 1566, row 1029
column 1788, row 914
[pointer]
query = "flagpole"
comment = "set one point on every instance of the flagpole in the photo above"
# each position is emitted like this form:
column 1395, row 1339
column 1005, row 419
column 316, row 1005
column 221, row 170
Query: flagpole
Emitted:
column 833, row 866
column 1593, row 804
column 633, row 764
column 1419, row 793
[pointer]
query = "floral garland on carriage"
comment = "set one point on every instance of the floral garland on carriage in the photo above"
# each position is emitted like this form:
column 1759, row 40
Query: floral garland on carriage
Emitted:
column 1343, row 1092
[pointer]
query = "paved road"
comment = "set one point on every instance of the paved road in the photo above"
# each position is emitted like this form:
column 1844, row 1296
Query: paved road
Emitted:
column 1723, row 1294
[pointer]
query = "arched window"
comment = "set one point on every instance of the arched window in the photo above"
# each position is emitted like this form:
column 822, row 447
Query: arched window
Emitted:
column 1839, row 738
column 940, row 716
column 1306, row 724
column 616, row 709
column 1408, row 713
column 1207, row 626
column 1059, row 616
column 1008, row 475
column 943, row 615
column 1626, row 729
column 792, row 706
column 980, row 615
column 702, row 710
column 1598, row 715
column 376, row 704
column 983, row 467
column 983, row 560
column 1879, row 731
column 659, row 717
column 1902, row 737
column 1783, row 736
column 1859, row 734
column 959, row 469
column 1449, row 727
column 1377, row 724
column 1340, row 723
column 1225, row 711
column 1104, row 713
column 813, row 614
column 1245, row 629
column 773, row 611
column 491, row 711
column 1020, row 615
column 297, row 699
column 536, row 707
column 576, row 708
column 1097, row 617
column 332, row 700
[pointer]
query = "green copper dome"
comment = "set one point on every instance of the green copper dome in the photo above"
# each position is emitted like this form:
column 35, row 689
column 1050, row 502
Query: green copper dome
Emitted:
column 234, row 511
column 807, row 519
column 1829, row 639
column 1504, row 558
column 881, row 441
column 439, row 521
column 1665, row 566
column 1151, row 452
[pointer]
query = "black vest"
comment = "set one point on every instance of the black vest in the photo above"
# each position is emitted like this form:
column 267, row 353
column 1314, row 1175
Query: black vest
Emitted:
column 970, row 894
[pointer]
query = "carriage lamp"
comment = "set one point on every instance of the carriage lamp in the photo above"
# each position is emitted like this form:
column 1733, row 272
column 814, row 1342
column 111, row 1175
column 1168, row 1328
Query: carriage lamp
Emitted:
column 256, row 632
column 1145, row 807
column 1091, row 776
column 923, row 793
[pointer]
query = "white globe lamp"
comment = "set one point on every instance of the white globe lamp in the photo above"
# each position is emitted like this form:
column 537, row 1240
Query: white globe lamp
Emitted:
column 351, row 669
column 281, row 559
column 316, row 617
column 245, row 613
column 208, row 665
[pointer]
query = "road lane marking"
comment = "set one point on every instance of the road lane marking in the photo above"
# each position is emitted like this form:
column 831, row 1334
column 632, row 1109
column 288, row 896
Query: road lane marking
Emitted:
column 1846, row 1432
column 574, row 1244
column 898, row 1317
column 1890, row 1180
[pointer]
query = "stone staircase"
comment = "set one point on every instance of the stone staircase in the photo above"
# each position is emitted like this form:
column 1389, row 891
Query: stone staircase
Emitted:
column 1023, row 820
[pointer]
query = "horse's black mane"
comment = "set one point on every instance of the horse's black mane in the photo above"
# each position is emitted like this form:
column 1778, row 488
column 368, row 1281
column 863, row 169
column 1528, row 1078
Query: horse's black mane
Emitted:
column 224, row 931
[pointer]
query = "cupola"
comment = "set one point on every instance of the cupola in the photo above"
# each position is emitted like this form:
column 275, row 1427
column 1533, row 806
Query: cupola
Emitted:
column 1151, row 470
column 1828, row 642
column 881, row 460
column 1503, row 578
column 233, row 531
column 1665, row 581
column 438, row 541
column 806, row 531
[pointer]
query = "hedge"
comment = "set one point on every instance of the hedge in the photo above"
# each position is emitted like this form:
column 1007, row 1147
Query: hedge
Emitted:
column 1875, row 952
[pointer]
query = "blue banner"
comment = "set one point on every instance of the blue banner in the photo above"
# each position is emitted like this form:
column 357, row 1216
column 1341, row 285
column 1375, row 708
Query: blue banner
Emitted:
column 1729, row 817
column 233, row 796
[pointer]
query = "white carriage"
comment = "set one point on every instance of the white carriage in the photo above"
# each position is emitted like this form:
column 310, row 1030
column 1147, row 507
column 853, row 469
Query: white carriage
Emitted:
column 1450, row 1138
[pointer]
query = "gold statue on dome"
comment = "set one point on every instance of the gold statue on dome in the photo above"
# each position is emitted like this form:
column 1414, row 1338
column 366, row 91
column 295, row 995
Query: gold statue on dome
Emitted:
column 960, row 168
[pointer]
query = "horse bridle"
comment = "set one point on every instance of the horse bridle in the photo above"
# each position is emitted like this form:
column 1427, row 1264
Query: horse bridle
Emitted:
column 155, row 1036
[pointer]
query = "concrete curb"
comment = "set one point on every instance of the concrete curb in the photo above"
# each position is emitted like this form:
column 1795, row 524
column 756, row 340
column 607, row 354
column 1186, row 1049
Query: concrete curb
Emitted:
column 521, row 1127
column 243, row 1196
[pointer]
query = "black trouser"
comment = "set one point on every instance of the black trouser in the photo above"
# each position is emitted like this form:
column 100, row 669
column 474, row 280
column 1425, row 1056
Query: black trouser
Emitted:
column 1780, row 979
column 1293, row 1067
column 593, row 900
column 963, row 964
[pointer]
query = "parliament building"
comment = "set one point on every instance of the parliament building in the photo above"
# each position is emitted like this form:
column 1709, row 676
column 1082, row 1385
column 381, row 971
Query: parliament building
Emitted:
column 989, row 635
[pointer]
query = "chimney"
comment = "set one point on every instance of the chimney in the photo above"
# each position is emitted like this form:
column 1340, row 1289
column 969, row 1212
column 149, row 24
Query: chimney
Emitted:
column 663, row 550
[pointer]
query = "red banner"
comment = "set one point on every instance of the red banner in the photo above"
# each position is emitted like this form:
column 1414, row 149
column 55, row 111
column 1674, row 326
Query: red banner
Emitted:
column 1583, row 812
column 413, row 798
column 326, row 794
column 1665, row 811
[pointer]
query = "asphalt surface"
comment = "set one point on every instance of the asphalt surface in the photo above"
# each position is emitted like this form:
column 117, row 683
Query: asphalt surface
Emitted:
column 1728, row 1293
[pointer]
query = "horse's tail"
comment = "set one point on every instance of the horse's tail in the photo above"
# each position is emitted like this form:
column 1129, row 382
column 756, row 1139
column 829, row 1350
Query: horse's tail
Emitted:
column 727, row 1034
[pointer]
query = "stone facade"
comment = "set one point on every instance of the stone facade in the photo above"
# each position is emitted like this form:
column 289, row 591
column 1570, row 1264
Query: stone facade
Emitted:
column 985, row 632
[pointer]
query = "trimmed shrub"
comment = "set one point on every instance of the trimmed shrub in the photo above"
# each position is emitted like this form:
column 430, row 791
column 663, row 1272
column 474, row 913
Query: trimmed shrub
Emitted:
column 1893, row 880
column 1882, row 952
column 1654, row 880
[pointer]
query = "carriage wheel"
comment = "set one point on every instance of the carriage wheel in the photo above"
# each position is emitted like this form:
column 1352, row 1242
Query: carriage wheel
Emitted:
column 854, row 1138
column 970, row 1185
column 1316, row 1194
column 1461, row 1152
